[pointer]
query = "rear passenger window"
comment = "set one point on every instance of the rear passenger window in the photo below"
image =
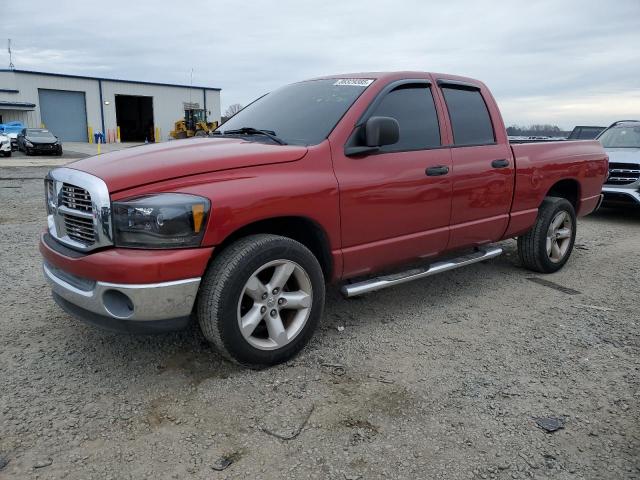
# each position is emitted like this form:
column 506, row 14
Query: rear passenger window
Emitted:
column 469, row 116
column 412, row 106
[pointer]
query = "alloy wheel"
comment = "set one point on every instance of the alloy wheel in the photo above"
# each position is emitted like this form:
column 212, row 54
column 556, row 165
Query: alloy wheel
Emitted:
column 559, row 236
column 275, row 304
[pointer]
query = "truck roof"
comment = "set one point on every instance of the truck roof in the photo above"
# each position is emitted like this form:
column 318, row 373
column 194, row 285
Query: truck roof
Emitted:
column 390, row 76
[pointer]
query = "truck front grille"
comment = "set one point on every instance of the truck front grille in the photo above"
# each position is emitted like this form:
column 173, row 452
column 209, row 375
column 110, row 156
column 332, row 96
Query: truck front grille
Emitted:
column 76, row 198
column 623, row 173
column 78, row 209
column 79, row 228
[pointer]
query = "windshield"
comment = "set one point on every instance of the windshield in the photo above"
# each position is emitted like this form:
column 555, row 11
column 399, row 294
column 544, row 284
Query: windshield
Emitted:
column 44, row 134
column 624, row 136
column 302, row 113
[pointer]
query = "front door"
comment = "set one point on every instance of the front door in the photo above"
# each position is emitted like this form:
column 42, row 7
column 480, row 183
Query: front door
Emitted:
column 391, row 210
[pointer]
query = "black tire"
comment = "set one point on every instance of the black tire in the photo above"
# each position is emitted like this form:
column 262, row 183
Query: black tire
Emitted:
column 532, row 246
column 7, row 154
column 222, row 286
column 59, row 153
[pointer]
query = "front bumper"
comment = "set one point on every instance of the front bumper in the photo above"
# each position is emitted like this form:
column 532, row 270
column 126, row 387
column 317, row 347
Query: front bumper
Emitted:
column 621, row 195
column 166, row 301
column 44, row 148
column 5, row 147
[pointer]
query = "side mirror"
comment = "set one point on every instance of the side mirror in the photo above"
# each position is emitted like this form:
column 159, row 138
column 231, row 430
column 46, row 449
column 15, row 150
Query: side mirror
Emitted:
column 379, row 131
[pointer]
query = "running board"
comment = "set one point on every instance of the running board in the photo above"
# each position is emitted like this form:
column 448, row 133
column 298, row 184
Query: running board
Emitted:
column 378, row 283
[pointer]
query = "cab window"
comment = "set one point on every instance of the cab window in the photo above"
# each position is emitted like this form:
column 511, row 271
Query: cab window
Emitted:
column 414, row 109
column 470, row 119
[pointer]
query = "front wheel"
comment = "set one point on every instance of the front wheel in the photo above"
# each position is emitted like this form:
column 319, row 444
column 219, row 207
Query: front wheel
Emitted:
column 261, row 300
column 548, row 245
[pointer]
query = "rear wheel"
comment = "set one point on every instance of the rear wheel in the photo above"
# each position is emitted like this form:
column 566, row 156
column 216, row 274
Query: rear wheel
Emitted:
column 261, row 300
column 548, row 245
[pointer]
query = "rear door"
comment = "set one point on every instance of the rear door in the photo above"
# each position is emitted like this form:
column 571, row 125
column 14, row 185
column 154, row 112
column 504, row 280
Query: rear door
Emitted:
column 391, row 211
column 482, row 165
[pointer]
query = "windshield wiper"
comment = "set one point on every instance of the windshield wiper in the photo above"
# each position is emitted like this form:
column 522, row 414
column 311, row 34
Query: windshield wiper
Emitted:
column 254, row 131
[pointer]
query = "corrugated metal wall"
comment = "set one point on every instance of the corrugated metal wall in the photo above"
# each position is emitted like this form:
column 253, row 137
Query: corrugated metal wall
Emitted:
column 168, row 101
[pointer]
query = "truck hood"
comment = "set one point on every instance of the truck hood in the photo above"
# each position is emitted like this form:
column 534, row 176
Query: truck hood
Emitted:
column 145, row 164
column 623, row 155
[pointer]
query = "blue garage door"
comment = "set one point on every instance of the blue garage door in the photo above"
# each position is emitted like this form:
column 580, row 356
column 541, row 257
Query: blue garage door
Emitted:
column 64, row 113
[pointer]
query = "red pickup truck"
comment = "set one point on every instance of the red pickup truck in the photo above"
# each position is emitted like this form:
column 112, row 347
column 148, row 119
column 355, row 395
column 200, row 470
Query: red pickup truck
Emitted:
column 335, row 179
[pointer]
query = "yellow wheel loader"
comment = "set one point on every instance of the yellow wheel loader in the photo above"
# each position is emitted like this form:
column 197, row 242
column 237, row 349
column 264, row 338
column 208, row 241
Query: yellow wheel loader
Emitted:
column 194, row 124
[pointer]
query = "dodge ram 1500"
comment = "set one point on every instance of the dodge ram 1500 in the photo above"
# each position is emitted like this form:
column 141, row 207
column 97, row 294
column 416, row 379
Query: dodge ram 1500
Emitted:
column 336, row 179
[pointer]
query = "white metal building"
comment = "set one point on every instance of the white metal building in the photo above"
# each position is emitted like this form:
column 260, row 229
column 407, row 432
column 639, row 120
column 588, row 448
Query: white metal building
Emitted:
column 72, row 106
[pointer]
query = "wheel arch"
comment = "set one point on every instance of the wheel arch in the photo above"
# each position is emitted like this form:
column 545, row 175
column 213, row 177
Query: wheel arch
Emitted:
column 568, row 189
column 302, row 229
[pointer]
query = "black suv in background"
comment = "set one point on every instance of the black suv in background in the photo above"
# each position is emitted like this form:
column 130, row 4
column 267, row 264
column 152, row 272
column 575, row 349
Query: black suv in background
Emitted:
column 38, row 140
column 584, row 132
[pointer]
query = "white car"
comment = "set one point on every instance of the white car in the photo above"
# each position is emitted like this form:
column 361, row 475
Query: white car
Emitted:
column 621, row 141
column 5, row 145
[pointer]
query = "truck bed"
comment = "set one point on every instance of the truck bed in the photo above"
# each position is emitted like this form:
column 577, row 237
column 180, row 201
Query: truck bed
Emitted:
column 540, row 165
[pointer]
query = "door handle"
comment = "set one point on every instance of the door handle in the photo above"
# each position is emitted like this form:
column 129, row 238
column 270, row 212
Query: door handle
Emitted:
column 502, row 163
column 437, row 171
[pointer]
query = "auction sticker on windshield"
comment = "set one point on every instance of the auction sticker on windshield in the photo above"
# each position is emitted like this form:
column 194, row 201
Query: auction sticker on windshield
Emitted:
column 354, row 82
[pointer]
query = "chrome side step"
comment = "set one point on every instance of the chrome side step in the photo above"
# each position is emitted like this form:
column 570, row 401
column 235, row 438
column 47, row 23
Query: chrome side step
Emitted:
column 378, row 283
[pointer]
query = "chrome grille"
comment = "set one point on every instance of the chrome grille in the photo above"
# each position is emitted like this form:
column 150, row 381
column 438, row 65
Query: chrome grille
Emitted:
column 79, row 228
column 51, row 190
column 78, row 209
column 76, row 198
column 623, row 173
column 78, row 218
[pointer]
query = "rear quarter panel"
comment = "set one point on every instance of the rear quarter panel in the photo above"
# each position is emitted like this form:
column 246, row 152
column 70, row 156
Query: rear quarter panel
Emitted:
column 539, row 166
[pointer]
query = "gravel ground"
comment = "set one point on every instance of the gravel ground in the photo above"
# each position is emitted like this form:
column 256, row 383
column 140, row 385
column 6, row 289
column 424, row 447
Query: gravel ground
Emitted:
column 442, row 378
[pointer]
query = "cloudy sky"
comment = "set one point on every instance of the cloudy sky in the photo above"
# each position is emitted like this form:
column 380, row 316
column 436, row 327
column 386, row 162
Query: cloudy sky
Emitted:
column 564, row 62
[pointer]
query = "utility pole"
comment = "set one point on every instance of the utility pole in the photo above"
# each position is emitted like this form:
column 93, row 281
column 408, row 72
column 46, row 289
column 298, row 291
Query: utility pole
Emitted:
column 11, row 66
column 190, row 86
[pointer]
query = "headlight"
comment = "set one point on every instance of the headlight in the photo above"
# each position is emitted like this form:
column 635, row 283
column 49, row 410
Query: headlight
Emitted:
column 28, row 143
column 166, row 220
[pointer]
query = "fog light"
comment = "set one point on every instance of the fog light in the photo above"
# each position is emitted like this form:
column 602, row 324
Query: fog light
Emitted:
column 117, row 304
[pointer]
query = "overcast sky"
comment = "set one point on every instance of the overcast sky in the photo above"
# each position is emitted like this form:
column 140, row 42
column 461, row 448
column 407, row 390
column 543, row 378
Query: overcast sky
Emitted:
column 563, row 61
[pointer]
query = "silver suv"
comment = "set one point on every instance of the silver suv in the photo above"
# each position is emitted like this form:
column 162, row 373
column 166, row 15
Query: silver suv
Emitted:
column 622, row 143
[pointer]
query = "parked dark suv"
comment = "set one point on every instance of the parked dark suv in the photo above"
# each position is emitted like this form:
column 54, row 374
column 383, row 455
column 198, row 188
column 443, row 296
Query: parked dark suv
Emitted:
column 38, row 140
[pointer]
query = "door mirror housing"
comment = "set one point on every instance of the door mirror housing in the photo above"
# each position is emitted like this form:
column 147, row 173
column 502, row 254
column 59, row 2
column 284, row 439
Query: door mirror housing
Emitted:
column 380, row 131
column 375, row 133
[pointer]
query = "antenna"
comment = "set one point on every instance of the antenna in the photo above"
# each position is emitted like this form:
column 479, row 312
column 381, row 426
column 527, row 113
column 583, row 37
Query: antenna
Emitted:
column 11, row 66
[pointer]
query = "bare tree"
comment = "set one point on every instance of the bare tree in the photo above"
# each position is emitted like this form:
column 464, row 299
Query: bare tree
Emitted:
column 232, row 110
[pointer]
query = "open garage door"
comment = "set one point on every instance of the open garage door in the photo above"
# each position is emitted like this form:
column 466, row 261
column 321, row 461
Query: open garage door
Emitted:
column 64, row 113
column 134, row 115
